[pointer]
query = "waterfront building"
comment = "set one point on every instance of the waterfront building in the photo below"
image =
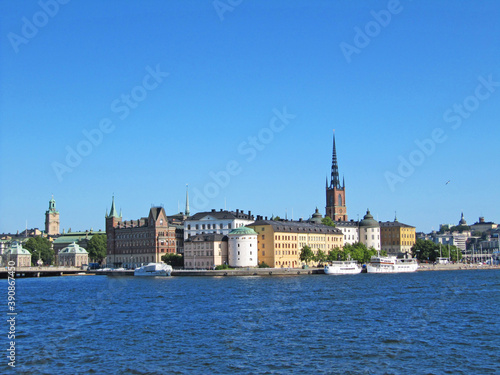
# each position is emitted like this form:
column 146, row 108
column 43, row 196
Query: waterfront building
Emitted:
column 52, row 219
column 220, row 222
column 17, row 254
column 350, row 230
column 73, row 256
column 396, row 238
column 242, row 248
column 81, row 238
column 335, row 192
column 205, row 251
column 483, row 226
column 280, row 242
column 135, row 242
column 369, row 231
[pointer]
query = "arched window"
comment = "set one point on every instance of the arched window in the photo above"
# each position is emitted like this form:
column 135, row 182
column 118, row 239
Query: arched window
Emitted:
column 340, row 200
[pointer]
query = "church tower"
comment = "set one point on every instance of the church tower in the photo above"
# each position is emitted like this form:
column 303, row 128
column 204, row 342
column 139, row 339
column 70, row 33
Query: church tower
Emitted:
column 112, row 221
column 52, row 219
column 335, row 192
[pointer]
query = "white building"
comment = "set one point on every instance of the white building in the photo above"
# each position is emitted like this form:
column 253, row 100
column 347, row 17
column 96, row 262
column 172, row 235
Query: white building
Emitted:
column 242, row 246
column 221, row 222
column 350, row 230
column 369, row 231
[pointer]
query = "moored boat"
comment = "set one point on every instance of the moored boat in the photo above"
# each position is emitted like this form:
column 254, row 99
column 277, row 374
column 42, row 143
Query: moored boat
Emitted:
column 154, row 269
column 391, row 264
column 349, row 267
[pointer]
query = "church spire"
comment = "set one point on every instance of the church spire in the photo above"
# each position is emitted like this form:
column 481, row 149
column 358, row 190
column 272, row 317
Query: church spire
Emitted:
column 112, row 212
column 186, row 212
column 335, row 180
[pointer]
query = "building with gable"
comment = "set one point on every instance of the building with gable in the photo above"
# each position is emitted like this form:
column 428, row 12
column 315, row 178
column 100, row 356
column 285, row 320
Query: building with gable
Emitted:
column 135, row 242
column 335, row 192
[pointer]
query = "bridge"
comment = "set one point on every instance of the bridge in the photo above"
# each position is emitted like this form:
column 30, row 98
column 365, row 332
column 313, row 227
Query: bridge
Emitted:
column 43, row 271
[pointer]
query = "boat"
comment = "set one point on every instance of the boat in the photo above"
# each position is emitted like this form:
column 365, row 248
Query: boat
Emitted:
column 154, row 269
column 348, row 267
column 391, row 264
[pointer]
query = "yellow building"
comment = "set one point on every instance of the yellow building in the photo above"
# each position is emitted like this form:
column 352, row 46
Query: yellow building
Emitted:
column 396, row 237
column 280, row 242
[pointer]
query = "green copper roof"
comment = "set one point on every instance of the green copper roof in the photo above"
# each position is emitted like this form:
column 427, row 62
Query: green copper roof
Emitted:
column 113, row 212
column 17, row 249
column 369, row 221
column 243, row 230
column 73, row 248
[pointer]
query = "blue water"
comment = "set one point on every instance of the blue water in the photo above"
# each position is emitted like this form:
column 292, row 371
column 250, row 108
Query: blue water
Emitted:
column 421, row 323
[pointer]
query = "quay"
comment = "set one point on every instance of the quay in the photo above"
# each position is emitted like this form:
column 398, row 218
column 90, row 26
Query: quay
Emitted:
column 44, row 271
column 229, row 272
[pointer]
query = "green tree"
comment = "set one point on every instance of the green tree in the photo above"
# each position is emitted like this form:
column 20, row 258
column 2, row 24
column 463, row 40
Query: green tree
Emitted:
column 97, row 247
column 40, row 247
column 306, row 254
column 320, row 256
column 425, row 250
column 263, row 265
column 335, row 254
column 276, row 218
column 358, row 252
column 175, row 260
column 328, row 221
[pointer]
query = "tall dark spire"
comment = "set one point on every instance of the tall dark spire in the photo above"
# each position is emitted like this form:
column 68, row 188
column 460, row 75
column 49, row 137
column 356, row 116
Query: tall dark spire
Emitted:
column 335, row 180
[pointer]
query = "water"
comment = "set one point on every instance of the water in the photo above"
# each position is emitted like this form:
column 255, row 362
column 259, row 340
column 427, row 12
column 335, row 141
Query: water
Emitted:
column 425, row 323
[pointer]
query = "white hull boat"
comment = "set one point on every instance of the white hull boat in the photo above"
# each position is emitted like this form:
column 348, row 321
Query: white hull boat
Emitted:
column 391, row 264
column 154, row 269
column 349, row 267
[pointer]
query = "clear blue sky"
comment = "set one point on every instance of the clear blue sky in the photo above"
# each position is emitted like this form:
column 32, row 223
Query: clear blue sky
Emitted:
column 229, row 71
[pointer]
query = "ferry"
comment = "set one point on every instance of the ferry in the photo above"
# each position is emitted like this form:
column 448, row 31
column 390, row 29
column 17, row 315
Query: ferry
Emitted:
column 349, row 267
column 391, row 264
column 154, row 269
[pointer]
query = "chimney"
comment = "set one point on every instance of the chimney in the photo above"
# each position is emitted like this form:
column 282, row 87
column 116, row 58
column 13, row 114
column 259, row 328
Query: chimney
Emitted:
column 237, row 210
column 249, row 213
column 481, row 219
column 266, row 217
column 213, row 209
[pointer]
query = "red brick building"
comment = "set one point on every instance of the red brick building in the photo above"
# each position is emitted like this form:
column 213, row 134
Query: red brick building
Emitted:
column 135, row 242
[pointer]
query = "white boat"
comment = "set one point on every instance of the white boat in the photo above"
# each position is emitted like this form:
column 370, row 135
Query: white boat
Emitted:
column 154, row 269
column 391, row 264
column 349, row 267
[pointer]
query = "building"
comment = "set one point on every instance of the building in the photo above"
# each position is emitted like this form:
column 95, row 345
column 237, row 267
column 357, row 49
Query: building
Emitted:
column 483, row 226
column 396, row 238
column 369, row 231
column 52, row 219
column 17, row 254
column 73, row 256
column 205, row 251
column 280, row 242
column 350, row 230
column 335, row 192
column 80, row 238
column 220, row 222
column 135, row 242
column 242, row 248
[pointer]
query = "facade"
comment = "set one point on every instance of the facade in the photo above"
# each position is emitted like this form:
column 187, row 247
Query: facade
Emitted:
column 52, row 219
column 280, row 242
column 350, row 230
column 219, row 222
column 135, row 242
column 17, row 254
column 66, row 239
column 369, row 231
column 73, row 256
column 483, row 226
column 335, row 192
column 205, row 251
column 242, row 248
column 396, row 237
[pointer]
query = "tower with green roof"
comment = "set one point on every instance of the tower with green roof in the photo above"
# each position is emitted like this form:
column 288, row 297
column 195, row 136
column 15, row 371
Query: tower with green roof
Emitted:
column 52, row 219
column 112, row 221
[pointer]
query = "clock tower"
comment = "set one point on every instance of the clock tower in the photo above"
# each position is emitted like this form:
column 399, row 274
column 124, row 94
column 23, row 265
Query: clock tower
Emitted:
column 335, row 192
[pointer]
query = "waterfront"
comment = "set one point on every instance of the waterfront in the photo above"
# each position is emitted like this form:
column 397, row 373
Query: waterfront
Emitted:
column 425, row 322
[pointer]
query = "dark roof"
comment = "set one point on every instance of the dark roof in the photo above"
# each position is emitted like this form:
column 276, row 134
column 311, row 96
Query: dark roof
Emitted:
column 209, row 237
column 155, row 212
column 394, row 224
column 296, row 226
column 351, row 223
column 220, row 215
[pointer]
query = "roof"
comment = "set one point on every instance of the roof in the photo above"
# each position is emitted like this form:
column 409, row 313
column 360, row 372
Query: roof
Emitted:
column 394, row 224
column 208, row 237
column 296, row 227
column 17, row 249
column 243, row 230
column 368, row 221
column 73, row 249
column 221, row 215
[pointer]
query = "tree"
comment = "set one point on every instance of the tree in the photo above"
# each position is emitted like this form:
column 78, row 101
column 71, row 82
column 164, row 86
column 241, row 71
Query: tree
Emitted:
column 97, row 247
column 40, row 247
column 306, row 254
column 276, row 218
column 425, row 250
column 175, row 260
column 335, row 254
column 328, row 221
column 263, row 265
column 320, row 256
column 358, row 252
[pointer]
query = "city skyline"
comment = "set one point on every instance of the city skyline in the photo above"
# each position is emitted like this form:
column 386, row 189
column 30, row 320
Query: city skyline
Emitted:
column 138, row 100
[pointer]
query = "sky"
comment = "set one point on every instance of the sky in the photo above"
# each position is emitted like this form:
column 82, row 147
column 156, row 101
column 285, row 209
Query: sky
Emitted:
column 239, row 99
